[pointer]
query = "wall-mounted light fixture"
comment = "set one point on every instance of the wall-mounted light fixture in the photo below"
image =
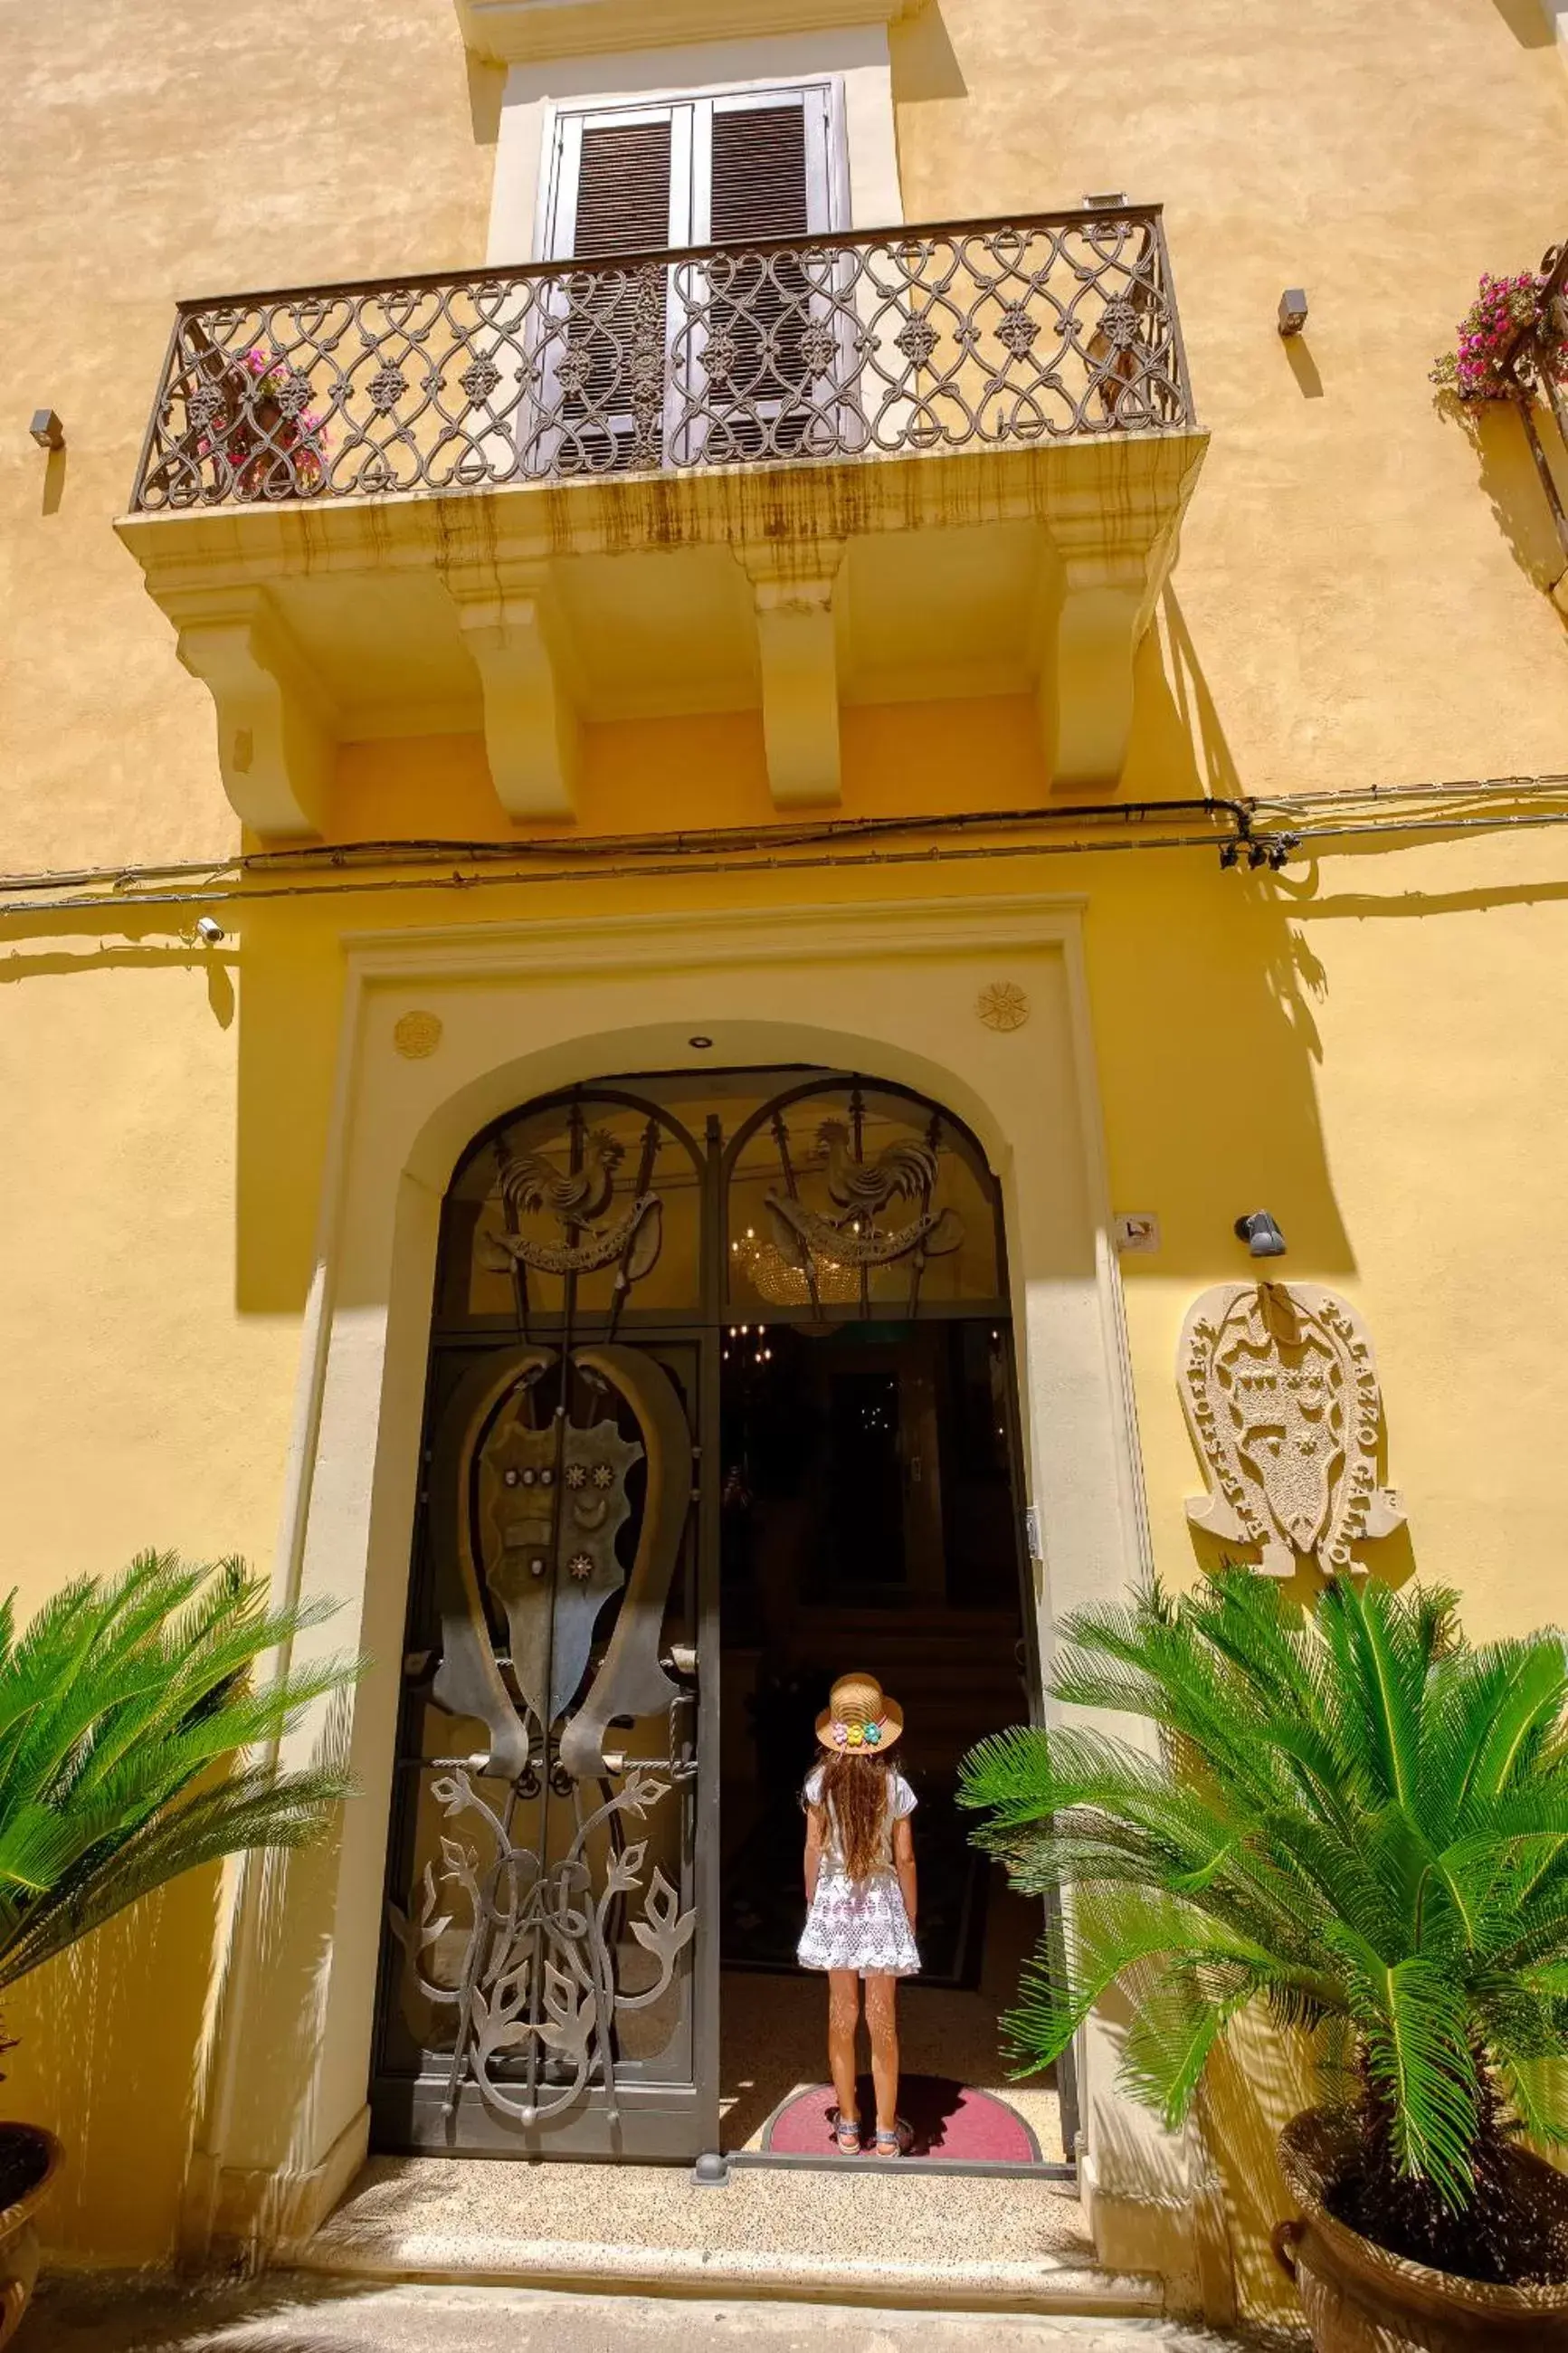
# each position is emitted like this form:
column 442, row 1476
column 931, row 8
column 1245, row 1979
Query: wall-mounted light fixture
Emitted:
column 701, row 1044
column 1106, row 200
column 1292, row 310
column 47, row 429
column 1261, row 1235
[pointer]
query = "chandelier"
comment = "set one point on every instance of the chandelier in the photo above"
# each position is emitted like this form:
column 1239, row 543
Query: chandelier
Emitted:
column 785, row 1283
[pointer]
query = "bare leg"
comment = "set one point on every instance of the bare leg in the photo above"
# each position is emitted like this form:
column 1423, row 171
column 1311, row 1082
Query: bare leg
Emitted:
column 883, row 2019
column 843, row 2019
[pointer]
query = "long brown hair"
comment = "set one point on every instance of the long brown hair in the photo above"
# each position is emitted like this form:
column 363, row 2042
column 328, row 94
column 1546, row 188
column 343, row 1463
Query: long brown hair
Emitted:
column 858, row 1784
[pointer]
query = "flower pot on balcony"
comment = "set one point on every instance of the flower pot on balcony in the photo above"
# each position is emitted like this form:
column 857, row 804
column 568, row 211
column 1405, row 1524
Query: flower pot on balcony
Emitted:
column 29, row 2160
column 247, row 418
column 1358, row 2297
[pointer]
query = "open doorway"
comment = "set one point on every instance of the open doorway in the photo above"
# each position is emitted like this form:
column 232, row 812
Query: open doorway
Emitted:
column 870, row 1524
column 719, row 1405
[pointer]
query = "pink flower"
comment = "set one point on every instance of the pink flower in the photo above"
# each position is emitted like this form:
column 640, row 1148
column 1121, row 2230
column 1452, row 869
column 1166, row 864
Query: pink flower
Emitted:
column 1503, row 310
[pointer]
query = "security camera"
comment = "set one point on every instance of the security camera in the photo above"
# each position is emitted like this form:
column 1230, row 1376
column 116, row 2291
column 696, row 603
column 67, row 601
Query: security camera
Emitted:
column 209, row 931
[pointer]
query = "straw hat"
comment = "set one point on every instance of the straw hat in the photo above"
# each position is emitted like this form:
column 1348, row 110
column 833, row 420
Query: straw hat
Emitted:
column 859, row 1716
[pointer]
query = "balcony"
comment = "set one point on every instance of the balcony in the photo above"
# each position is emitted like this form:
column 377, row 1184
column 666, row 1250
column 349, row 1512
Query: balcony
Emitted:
column 938, row 462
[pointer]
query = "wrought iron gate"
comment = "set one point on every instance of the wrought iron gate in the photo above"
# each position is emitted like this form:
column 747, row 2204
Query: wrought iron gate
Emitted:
column 550, row 1968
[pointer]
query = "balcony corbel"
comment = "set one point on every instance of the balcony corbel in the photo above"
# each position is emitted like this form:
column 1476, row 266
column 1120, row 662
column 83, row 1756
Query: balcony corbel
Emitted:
column 793, row 592
column 511, row 626
column 1098, row 598
column 276, row 724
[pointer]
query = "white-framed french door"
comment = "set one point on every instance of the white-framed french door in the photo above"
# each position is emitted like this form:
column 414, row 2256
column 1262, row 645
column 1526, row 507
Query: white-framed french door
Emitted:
column 644, row 362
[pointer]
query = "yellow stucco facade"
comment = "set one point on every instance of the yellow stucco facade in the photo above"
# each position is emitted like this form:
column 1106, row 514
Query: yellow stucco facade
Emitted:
column 222, row 1177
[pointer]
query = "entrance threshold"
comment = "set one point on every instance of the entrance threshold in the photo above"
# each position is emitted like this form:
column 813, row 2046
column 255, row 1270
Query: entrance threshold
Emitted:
column 1030, row 2170
column 856, row 2234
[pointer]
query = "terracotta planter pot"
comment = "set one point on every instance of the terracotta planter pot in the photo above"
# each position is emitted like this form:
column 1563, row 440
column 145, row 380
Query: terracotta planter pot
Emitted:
column 18, row 2238
column 1359, row 2298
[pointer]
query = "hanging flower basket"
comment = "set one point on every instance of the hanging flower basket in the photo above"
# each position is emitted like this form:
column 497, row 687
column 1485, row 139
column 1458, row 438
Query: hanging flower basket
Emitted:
column 252, row 418
column 1509, row 316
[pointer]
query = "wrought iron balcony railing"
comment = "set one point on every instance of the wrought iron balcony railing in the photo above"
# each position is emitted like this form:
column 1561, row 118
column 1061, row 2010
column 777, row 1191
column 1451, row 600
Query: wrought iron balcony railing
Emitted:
column 1536, row 364
column 990, row 333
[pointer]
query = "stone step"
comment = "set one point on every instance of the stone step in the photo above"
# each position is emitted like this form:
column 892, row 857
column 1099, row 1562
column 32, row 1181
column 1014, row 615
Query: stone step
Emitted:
column 967, row 2243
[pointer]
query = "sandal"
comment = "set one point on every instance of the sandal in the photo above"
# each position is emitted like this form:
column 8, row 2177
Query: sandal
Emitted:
column 847, row 2134
column 895, row 2142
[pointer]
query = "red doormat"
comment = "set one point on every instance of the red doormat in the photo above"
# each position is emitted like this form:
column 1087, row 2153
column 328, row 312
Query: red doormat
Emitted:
column 950, row 2120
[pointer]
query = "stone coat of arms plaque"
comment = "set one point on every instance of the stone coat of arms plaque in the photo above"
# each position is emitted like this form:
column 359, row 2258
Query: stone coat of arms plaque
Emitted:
column 1280, row 1386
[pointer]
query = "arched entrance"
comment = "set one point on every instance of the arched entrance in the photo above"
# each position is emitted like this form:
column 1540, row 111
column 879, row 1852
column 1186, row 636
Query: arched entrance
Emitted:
column 719, row 1391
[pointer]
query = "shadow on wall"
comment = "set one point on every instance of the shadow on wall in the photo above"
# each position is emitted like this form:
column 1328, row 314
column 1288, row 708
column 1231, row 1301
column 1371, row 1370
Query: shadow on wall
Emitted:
column 1202, row 995
column 1303, row 366
column 1204, row 991
column 925, row 63
column 109, row 2044
column 486, row 89
column 288, row 1051
column 1257, row 2079
column 1204, row 985
column 115, row 2040
column 142, row 948
column 1508, row 475
column 1529, row 21
column 293, row 983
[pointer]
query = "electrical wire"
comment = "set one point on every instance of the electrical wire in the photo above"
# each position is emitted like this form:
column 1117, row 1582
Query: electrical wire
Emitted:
column 1249, row 831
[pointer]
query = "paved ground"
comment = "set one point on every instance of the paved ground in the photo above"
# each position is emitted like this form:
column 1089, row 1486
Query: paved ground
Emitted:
column 110, row 2314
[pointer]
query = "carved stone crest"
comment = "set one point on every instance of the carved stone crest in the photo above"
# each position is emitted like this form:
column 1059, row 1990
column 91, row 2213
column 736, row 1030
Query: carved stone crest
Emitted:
column 1280, row 1386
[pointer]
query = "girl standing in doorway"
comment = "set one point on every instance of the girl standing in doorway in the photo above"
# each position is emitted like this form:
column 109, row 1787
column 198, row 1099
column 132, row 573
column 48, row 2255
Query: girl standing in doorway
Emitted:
column 860, row 1891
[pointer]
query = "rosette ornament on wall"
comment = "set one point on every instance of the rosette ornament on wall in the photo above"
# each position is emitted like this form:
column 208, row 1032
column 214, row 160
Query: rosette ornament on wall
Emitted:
column 1281, row 1389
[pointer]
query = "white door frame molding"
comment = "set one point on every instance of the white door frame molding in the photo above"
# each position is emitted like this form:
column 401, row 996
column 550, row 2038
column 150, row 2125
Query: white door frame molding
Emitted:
column 886, row 986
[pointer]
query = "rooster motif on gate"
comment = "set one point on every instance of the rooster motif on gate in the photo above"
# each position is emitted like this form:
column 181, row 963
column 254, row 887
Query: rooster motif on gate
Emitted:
column 905, row 1170
column 531, row 1184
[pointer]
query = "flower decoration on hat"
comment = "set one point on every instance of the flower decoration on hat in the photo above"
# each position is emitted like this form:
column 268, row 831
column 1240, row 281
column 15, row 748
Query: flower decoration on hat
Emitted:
column 859, row 1716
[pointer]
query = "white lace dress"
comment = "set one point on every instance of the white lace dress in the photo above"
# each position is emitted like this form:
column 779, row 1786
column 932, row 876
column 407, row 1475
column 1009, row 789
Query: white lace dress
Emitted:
column 861, row 1923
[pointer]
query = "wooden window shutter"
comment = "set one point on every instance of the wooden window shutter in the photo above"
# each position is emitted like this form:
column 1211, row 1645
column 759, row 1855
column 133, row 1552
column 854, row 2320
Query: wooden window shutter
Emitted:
column 624, row 175
column 733, row 172
column 759, row 173
column 767, row 178
column 616, row 178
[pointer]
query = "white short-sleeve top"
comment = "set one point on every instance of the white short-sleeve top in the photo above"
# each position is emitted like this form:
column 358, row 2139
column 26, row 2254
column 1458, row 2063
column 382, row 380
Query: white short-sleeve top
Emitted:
column 901, row 1801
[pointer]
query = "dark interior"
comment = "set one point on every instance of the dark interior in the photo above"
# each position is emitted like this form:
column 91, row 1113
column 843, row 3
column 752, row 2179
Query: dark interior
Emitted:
column 870, row 1523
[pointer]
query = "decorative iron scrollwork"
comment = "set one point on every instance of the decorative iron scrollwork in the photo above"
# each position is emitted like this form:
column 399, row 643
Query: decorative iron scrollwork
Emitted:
column 902, row 1171
column 548, row 1896
column 631, row 1681
column 536, row 1975
column 979, row 332
column 526, row 1515
column 844, row 1241
column 814, row 1249
column 469, row 1680
column 531, row 1185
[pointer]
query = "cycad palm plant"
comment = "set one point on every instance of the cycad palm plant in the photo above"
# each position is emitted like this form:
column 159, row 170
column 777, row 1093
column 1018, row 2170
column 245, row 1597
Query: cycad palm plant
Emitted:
column 1355, row 1818
column 130, row 1715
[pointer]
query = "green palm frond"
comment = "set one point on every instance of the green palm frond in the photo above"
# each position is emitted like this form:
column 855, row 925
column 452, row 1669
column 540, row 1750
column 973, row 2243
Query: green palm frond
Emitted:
column 1351, row 1816
column 1414, row 2026
column 129, row 1712
column 1176, row 2024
